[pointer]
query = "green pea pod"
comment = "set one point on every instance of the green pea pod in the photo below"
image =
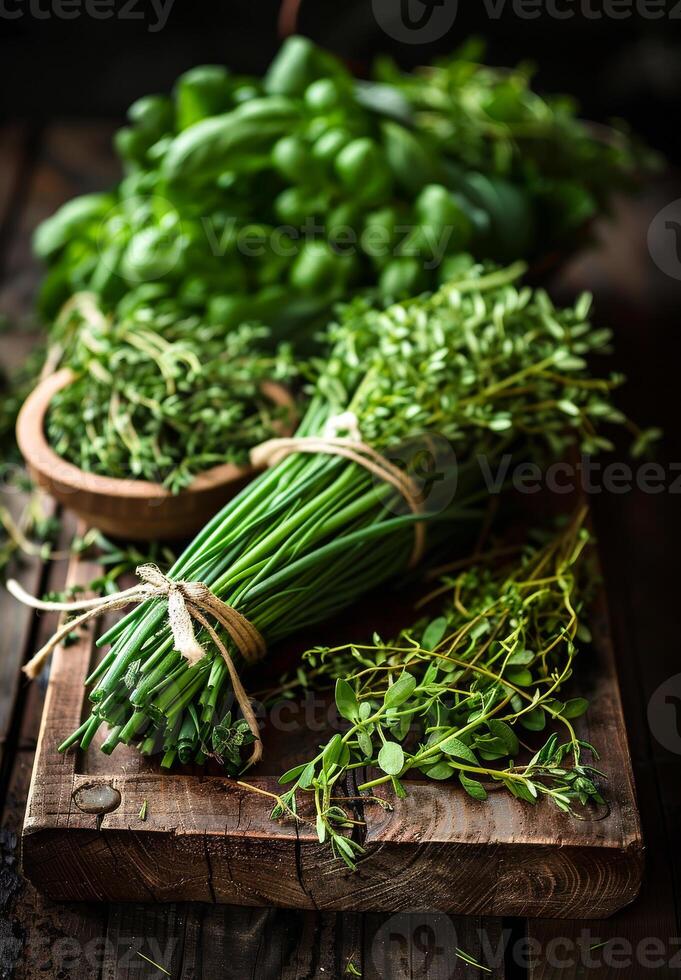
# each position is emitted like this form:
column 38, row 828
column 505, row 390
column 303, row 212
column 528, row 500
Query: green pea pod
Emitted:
column 151, row 254
column 402, row 276
column 268, row 108
column 318, row 269
column 326, row 94
column 152, row 115
column 224, row 143
column 362, row 168
column 230, row 311
column 202, row 92
column 411, row 165
column 379, row 236
column 445, row 225
column 69, row 221
column 131, row 146
column 294, row 205
column 293, row 159
column 298, row 63
column 327, row 147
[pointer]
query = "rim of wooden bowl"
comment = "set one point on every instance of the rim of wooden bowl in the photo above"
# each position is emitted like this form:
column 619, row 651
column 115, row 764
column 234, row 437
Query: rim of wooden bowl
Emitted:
column 42, row 459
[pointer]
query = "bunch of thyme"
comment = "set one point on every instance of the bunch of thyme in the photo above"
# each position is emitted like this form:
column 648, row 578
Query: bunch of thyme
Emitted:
column 486, row 364
column 156, row 398
column 457, row 694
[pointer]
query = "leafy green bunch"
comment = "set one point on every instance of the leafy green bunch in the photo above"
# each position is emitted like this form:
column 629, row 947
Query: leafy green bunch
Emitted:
column 158, row 399
column 487, row 365
column 526, row 160
column 269, row 199
column 459, row 694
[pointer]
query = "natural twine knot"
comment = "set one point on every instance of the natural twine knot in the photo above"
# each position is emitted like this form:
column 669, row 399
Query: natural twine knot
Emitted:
column 351, row 447
column 187, row 601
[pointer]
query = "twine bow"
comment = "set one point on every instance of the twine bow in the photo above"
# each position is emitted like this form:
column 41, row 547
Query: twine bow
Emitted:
column 351, row 447
column 187, row 601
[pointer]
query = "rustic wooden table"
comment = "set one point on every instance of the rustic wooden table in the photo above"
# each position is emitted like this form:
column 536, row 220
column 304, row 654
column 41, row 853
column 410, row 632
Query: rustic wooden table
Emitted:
column 639, row 532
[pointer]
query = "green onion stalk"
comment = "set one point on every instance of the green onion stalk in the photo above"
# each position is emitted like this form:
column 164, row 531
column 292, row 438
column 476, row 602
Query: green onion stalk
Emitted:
column 485, row 364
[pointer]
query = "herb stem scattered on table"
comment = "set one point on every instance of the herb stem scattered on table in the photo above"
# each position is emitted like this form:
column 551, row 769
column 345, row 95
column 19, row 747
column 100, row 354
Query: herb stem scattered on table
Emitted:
column 316, row 531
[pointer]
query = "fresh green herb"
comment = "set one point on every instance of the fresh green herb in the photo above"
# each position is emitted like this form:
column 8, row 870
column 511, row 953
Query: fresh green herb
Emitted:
column 154, row 400
column 458, row 695
column 268, row 200
column 482, row 364
column 143, row 810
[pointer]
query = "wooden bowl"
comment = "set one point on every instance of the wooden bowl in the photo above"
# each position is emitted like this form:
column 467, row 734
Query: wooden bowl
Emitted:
column 134, row 509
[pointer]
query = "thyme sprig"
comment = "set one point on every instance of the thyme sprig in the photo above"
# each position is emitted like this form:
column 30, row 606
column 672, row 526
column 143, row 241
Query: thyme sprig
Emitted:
column 454, row 695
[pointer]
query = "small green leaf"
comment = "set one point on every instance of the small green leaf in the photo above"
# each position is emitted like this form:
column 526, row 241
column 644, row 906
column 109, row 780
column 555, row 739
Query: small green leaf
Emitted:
column 364, row 742
column 332, row 752
column 568, row 407
column 520, row 658
column 346, row 701
column 402, row 689
column 455, row 747
column 441, row 770
column 292, row 774
column 364, row 710
column 307, row 776
column 321, row 829
column 504, row 732
column 519, row 676
column 473, row 787
column 534, row 720
column 434, row 632
column 391, row 758
column 574, row 708
column 398, row 788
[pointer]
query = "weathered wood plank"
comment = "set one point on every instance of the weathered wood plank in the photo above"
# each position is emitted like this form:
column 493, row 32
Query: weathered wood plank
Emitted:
column 207, row 839
column 57, row 940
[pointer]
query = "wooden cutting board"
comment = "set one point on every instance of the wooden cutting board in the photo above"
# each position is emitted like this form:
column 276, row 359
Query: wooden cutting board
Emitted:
column 207, row 839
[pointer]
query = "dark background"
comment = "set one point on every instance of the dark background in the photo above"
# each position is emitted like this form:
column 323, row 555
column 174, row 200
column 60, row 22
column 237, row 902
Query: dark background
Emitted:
column 620, row 65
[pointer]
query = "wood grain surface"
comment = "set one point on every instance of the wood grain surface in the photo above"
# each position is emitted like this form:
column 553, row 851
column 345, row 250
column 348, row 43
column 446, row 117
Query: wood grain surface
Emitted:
column 639, row 535
column 206, row 839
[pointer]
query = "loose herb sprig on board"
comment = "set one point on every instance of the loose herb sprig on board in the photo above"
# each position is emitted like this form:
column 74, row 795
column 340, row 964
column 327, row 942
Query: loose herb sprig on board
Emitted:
column 489, row 366
column 158, row 398
column 457, row 695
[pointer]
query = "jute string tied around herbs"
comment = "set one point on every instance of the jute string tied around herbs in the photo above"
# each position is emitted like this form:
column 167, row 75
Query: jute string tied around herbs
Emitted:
column 187, row 601
column 351, row 447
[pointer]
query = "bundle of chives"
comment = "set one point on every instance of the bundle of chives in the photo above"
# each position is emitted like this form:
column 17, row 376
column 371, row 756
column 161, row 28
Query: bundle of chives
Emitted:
column 487, row 366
